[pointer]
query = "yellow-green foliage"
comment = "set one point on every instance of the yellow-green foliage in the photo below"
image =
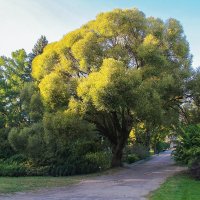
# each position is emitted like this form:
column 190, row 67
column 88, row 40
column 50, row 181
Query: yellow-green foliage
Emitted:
column 151, row 40
column 45, row 62
column 112, row 87
column 55, row 90
column 119, row 60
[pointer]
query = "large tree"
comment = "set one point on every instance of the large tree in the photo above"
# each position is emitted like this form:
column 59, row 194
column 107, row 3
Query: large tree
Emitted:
column 117, row 70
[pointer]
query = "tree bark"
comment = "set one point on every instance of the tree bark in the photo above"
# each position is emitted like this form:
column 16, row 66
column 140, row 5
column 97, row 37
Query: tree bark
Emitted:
column 116, row 128
column 117, row 152
column 147, row 139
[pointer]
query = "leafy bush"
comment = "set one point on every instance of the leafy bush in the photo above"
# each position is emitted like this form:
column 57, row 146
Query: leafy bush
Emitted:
column 140, row 151
column 88, row 163
column 135, row 152
column 18, row 139
column 5, row 148
column 17, row 158
column 28, row 141
column 37, row 170
column 131, row 158
column 83, row 159
column 12, row 169
column 19, row 165
column 161, row 146
column 195, row 169
column 63, row 145
column 98, row 161
column 9, row 168
column 188, row 148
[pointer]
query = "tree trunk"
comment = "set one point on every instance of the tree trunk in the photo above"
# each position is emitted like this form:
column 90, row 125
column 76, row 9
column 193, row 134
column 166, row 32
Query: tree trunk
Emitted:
column 155, row 149
column 147, row 139
column 117, row 153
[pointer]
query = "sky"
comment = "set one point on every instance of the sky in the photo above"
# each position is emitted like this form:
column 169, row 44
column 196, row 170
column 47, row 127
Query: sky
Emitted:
column 22, row 22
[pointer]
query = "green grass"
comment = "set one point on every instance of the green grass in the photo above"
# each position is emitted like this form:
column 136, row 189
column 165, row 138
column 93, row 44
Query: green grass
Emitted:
column 19, row 184
column 179, row 187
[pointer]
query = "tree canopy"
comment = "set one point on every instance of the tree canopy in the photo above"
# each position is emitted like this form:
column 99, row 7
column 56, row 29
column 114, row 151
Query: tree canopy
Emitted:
column 115, row 71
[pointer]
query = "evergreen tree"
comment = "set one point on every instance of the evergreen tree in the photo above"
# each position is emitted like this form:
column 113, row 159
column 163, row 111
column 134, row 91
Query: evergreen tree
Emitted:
column 38, row 47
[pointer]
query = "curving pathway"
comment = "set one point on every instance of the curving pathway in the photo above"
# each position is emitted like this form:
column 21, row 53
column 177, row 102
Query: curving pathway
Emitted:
column 134, row 182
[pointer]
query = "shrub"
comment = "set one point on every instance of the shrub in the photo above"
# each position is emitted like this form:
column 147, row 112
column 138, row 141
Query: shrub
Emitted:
column 5, row 148
column 97, row 161
column 37, row 170
column 188, row 149
column 18, row 139
column 18, row 165
column 17, row 158
column 81, row 161
column 140, row 151
column 135, row 152
column 12, row 169
column 195, row 169
column 131, row 158
column 28, row 141
column 162, row 146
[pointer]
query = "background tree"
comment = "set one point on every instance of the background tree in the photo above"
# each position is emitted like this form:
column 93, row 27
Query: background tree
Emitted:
column 20, row 102
column 38, row 47
column 31, row 99
column 15, row 73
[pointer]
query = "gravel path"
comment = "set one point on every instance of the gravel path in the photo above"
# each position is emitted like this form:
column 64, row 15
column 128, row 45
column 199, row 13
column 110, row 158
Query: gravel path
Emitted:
column 134, row 182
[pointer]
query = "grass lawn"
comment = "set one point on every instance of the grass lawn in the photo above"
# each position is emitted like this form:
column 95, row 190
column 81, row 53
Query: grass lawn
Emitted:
column 21, row 184
column 179, row 187
column 18, row 184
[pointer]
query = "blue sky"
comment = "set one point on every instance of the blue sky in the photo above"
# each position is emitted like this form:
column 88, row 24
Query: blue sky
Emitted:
column 23, row 21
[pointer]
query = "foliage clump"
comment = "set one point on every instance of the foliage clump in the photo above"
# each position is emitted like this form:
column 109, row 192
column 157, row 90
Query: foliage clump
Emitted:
column 188, row 148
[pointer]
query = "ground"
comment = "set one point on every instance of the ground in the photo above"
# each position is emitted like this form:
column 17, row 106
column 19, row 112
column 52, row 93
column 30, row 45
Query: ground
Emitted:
column 133, row 182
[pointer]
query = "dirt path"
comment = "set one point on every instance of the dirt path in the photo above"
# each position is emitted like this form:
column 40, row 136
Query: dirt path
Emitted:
column 132, row 183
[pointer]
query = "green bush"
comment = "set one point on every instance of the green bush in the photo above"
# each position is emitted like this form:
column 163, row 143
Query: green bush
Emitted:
column 18, row 139
column 81, row 162
column 29, row 141
column 18, row 166
column 37, row 170
column 131, row 158
column 12, row 169
column 80, row 156
column 98, row 161
column 5, row 148
column 195, row 169
column 63, row 145
column 17, row 158
column 162, row 146
column 135, row 152
column 188, row 149
column 140, row 151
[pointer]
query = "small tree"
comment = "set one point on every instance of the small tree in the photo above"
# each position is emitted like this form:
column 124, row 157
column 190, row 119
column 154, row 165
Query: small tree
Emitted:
column 38, row 47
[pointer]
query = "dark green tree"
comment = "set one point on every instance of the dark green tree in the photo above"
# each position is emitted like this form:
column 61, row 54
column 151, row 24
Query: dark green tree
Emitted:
column 38, row 47
column 15, row 72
